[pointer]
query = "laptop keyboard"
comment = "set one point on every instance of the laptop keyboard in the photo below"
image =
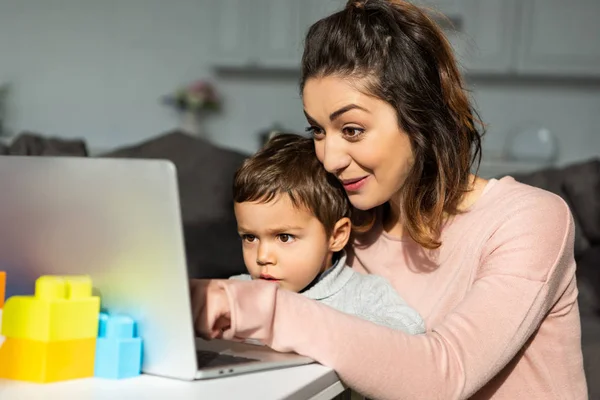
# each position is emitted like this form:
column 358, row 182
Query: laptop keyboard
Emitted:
column 213, row 359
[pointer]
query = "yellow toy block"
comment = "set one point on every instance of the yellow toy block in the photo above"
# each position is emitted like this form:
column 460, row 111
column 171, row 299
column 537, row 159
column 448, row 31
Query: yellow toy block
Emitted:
column 63, row 308
column 43, row 362
column 2, row 288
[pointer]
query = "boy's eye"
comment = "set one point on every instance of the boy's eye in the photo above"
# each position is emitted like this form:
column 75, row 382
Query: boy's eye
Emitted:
column 248, row 238
column 285, row 238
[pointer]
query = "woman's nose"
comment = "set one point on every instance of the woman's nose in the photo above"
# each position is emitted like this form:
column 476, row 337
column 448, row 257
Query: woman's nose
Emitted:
column 333, row 154
column 265, row 255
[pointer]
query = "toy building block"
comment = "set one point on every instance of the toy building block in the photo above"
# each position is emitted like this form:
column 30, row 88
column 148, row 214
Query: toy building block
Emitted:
column 62, row 308
column 44, row 362
column 2, row 288
column 118, row 350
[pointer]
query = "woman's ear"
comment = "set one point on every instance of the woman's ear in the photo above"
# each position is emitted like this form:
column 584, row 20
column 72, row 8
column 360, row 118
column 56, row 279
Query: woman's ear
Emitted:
column 340, row 234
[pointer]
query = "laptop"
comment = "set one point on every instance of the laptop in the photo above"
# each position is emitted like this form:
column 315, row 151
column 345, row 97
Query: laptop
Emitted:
column 118, row 221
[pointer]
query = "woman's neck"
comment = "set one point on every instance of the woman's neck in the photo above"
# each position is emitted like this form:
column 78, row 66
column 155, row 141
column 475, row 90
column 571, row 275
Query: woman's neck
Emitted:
column 393, row 223
column 476, row 187
column 392, row 218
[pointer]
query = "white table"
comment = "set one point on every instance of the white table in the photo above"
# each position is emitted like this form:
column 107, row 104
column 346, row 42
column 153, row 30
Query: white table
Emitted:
column 313, row 381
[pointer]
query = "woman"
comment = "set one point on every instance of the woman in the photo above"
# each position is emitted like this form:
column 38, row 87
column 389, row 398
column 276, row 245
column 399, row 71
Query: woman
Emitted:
column 489, row 264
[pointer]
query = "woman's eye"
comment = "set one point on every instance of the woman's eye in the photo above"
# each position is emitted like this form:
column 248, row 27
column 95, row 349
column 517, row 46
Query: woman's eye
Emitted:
column 315, row 131
column 285, row 238
column 248, row 238
column 353, row 133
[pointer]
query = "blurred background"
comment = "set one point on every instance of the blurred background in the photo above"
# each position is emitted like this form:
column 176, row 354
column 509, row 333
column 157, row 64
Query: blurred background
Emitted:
column 113, row 72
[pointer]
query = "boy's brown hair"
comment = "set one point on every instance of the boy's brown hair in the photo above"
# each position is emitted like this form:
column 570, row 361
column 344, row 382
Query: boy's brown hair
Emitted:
column 288, row 165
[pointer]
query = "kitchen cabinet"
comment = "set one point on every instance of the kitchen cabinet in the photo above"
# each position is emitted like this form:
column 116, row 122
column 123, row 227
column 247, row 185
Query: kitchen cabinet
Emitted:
column 270, row 33
column 480, row 32
column 489, row 37
column 234, row 32
column 559, row 38
column 280, row 35
column 265, row 33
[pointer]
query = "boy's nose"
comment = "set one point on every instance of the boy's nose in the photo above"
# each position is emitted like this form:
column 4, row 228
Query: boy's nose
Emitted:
column 265, row 256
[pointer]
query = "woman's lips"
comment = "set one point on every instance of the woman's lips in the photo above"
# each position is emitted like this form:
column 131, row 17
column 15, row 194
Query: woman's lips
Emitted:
column 353, row 185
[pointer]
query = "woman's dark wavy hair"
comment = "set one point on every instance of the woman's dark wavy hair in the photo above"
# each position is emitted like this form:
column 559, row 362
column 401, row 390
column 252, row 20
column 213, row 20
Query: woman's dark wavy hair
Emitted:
column 396, row 52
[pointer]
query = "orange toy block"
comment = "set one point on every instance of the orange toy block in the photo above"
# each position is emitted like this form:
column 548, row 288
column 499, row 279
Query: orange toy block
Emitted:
column 2, row 288
column 63, row 308
column 44, row 362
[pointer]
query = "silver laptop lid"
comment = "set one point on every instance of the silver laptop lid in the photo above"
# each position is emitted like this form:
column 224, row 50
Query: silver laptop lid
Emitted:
column 116, row 220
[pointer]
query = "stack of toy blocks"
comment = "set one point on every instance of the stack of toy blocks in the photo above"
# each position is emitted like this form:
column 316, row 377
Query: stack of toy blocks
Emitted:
column 51, row 336
column 118, row 349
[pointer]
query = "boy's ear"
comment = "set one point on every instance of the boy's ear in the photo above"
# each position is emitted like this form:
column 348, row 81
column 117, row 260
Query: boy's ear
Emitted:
column 340, row 234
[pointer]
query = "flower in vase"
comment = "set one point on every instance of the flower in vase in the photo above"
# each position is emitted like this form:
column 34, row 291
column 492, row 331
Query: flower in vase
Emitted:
column 195, row 97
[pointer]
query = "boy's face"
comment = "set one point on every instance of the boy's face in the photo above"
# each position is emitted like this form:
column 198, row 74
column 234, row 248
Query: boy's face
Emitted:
column 282, row 243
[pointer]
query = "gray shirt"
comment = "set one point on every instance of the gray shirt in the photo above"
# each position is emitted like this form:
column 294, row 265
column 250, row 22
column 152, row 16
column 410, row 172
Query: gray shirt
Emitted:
column 370, row 297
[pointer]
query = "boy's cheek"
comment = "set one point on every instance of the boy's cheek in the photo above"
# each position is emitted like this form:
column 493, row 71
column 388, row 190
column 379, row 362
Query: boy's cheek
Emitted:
column 249, row 261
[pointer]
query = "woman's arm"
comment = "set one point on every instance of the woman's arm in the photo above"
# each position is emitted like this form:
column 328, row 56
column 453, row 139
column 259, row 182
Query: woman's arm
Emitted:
column 529, row 259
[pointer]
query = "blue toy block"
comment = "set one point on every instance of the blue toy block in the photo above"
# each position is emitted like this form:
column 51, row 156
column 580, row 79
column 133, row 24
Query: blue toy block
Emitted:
column 118, row 350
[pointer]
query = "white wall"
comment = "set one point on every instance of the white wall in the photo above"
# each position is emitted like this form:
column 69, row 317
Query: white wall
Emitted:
column 97, row 69
column 569, row 109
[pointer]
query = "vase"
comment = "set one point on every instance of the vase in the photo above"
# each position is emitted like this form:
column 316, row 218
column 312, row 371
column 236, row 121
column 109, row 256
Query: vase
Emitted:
column 191, row 123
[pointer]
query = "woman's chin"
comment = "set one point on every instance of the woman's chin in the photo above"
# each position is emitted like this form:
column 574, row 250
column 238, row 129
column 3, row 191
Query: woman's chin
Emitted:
column 362, row 202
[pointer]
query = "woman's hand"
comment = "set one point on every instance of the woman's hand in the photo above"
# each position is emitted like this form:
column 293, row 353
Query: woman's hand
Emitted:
column 210, row 308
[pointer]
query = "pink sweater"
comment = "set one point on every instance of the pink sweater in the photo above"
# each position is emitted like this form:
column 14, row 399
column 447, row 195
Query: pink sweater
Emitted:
column 499, row 299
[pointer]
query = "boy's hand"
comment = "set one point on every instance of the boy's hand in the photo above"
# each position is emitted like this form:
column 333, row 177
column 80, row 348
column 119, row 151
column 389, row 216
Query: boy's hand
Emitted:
column 210, row 308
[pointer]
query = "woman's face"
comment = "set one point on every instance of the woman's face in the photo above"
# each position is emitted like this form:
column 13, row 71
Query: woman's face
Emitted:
column 358, row 139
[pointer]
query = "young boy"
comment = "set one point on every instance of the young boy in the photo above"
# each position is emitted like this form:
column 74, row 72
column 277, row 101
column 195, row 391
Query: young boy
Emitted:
column 294, row 221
